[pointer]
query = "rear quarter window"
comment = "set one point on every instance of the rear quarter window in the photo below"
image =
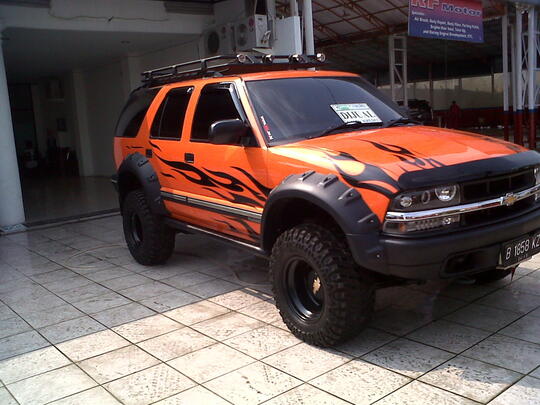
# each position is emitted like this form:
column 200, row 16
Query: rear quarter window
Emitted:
column 170, row 116
column 134, row 112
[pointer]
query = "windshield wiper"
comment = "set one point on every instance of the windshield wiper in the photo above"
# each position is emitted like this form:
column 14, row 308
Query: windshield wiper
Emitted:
column 400, row 120
column 345, row 125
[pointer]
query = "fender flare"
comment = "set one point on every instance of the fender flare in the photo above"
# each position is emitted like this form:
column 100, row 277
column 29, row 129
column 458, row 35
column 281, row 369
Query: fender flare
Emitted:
column 139, row 167
column 342, row 202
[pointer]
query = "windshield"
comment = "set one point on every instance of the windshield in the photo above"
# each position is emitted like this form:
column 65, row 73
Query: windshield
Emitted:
column 299, row 108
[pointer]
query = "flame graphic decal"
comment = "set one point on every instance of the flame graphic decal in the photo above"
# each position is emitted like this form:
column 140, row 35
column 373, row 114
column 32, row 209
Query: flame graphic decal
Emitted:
column 224, row 185
column 407, row 156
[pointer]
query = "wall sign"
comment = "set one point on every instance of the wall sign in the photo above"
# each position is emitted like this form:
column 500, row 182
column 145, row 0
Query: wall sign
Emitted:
column 458, row 20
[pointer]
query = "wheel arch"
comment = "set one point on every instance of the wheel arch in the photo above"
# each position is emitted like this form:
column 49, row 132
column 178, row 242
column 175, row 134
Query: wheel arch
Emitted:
column 314, row 192
column 136, row 172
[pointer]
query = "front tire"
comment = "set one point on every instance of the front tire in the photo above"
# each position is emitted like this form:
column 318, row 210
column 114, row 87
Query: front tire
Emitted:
column 149, row 240
column 320, row 294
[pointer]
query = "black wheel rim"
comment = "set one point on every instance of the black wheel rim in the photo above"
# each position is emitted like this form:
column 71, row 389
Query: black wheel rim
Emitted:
column 136, row 228
column 304, row 289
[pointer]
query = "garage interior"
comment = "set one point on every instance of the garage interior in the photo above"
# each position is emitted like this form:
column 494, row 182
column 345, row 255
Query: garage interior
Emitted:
column 70, row 73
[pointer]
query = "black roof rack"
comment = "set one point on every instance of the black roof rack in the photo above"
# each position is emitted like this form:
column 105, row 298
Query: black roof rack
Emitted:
column 229, row 65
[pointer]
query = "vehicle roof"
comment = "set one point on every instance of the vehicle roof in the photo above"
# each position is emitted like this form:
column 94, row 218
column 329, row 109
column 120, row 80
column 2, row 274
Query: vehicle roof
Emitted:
column 269, row 75
column 282, row 74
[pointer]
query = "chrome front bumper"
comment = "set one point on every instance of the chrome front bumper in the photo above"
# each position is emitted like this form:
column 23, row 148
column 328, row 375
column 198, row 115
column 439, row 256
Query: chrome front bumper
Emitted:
column 505, row 200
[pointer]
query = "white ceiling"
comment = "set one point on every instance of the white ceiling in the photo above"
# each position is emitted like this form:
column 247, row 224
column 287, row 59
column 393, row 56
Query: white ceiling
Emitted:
column 31, row 54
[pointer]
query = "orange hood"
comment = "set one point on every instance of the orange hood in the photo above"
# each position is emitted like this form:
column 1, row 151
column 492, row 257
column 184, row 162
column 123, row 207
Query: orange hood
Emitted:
column 398, row 150
column 379, row 163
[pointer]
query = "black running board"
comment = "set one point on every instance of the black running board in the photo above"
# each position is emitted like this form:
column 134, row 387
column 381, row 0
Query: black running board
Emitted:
column 187, row 228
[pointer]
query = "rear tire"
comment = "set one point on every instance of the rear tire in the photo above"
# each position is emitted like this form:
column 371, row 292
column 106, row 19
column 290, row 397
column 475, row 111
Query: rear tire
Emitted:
column 492, row 275
column 320, row 294
column 149, row 240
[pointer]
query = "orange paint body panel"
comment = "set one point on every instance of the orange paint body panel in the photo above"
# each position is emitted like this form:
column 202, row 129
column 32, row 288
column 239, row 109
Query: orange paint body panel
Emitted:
column 242, row 176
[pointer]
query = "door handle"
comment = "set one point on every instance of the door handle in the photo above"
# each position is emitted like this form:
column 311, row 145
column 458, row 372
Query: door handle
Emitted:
column 189, row 157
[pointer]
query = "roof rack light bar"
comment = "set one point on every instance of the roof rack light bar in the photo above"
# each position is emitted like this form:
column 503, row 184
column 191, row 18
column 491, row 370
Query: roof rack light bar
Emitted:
column 230, row 64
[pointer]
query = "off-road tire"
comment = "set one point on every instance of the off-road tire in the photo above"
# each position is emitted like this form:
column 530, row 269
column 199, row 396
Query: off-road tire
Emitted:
column 348, row 295
column 492, row 275
column 155, row 244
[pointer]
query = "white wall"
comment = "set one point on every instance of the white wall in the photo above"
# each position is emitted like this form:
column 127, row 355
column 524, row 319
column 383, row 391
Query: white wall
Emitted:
column 103, row 15
column 176, row 54
column 105, row 92
column 469, row 92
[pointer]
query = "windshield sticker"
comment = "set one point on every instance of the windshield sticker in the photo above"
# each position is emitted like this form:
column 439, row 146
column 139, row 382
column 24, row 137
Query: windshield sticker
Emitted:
column 266, row 128
column 355, row 113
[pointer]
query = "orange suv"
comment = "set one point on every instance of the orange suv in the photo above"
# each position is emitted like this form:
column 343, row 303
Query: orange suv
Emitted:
column 323, row 174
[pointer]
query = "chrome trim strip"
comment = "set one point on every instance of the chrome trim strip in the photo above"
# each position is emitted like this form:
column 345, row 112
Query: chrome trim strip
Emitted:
column 172, row 196
column 229, row 239
column 253, row 216
column 508, row 199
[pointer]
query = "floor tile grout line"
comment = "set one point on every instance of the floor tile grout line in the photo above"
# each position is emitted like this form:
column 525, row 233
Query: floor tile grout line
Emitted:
column 404, row 336
column 509, row 386
column 90, row 315
column 257, row 360
column 463, row 351
column 469, row 303
column 161, row 362
column 12, row 395
column 310, row 385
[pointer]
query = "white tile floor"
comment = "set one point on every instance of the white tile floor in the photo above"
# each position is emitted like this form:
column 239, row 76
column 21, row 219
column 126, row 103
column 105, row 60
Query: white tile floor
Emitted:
column 82, row 323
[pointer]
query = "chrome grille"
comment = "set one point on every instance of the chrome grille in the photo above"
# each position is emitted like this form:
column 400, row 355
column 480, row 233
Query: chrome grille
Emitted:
column 495, row 187
column 485, row 189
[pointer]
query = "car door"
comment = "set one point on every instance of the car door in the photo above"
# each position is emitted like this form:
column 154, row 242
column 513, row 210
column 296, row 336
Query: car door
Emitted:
column 224, row 185
column 165, row 138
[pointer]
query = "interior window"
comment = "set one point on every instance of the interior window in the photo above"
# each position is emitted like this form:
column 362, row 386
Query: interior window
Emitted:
column 169, row 118
column 215, row 104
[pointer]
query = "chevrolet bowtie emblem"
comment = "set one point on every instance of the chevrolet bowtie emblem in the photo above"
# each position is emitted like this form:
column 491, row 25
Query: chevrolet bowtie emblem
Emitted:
column 509, row 199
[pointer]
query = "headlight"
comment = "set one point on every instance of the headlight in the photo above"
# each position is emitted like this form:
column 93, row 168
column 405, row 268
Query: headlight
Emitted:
column 446, row 194
column 421, row 200
column 438, row 197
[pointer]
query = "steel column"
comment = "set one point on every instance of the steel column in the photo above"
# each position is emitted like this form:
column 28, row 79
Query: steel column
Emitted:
column 397, row 58
column 505, row 75
column 293, row 5
column 513, row 75
column 518, row 112
column 531, row 73
column 308, row 27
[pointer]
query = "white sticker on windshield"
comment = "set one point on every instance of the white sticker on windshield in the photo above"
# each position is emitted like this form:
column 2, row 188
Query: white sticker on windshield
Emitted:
column 356, row 112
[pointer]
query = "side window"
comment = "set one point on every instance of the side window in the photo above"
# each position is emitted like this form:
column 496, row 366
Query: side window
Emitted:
column 170, row 115
column 215, row 104
column 134, row 112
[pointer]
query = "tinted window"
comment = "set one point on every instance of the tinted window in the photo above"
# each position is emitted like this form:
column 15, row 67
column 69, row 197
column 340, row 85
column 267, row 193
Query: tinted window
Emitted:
column 170, row 116
column 134, row 111
column 215, row 104
column 296, row 108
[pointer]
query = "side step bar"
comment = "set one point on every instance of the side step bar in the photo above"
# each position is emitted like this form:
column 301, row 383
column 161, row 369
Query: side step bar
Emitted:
column 187, row 228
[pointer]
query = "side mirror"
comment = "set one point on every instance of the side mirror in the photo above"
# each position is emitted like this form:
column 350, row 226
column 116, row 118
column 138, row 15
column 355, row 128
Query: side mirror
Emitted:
column 227, row 132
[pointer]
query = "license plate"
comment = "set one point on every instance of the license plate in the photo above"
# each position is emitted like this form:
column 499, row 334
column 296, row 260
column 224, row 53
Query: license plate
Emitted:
column 520, row 249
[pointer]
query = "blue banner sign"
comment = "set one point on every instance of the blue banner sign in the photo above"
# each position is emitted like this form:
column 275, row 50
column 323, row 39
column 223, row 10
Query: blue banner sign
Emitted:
column 458, row 20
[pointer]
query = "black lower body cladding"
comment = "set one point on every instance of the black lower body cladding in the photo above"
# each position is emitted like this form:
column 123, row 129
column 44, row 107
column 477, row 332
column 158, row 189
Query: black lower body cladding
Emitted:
column 447, row 255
